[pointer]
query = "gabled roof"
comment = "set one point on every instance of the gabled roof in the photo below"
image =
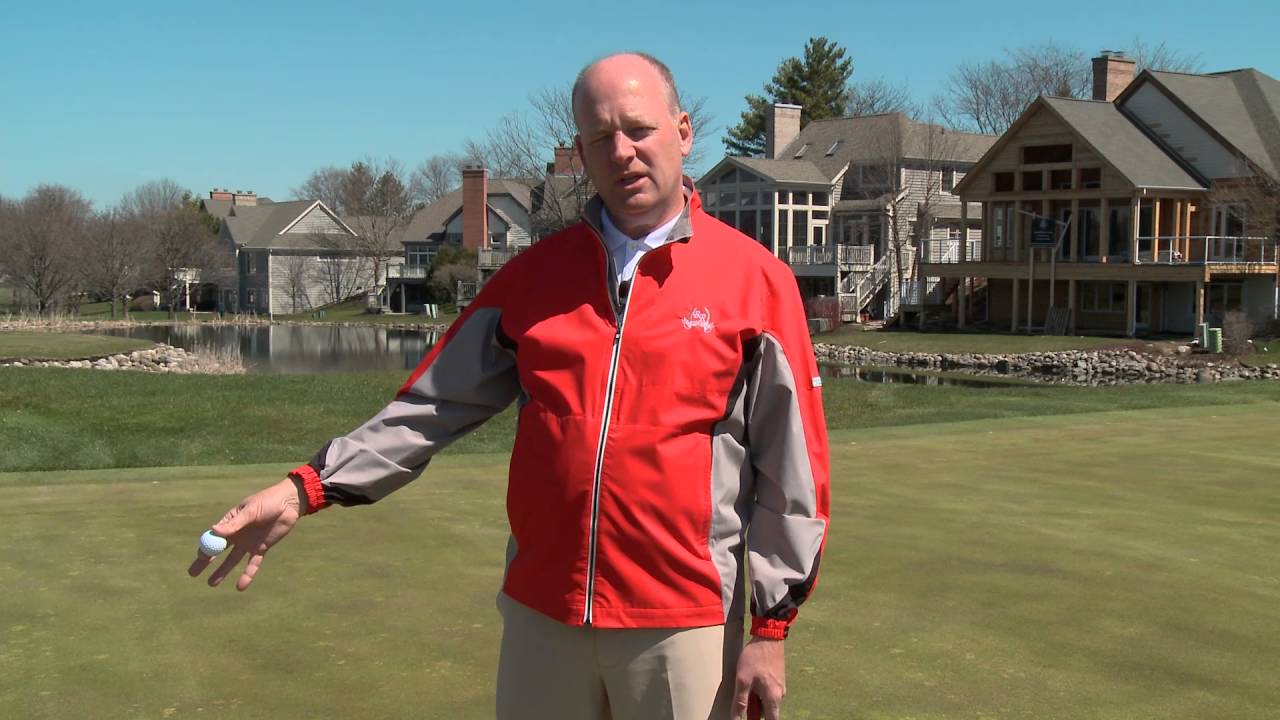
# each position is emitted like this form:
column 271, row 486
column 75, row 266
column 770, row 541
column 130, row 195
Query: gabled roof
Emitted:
column 264, row 226
column 1115, row 138
column 432, row 219
column 1240, row 106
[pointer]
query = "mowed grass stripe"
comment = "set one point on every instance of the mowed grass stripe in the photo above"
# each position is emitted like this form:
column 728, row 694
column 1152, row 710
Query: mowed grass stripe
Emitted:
column 1101, row 565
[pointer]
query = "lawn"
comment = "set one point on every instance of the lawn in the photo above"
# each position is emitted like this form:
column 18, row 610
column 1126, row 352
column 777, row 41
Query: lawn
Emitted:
column 63, row 346
column 140, row 420
column 1094, row 565
column 353, row 311
column 971, row 342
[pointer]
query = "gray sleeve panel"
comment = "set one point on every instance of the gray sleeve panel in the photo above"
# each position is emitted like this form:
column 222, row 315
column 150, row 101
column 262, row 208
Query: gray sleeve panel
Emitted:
column 785, row 534
column 471, row 379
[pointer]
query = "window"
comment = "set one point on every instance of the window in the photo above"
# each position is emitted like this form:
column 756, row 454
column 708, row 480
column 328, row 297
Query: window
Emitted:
column 801, row 151
column 784, row 197
column 1032, row 181
column 251, row 297
column 1042, row 154
column 1090, row 177
column 799, row 198
column 818, row 234
column 834, row 146
column 1102, row 297
column 747, row 198
column 1003, row 181
column 820, row 214
column 948, row 179
column 498, row 239
column 999, row 226
column 1060, row 179
column 953, row 232
column 747, row 223
column 1222, row 297
column 418, row 256
column 819, row 198
column 766, row 228
column 799, row 227
column 728, row 217
column 730, row 177
column 1090, row 233
column 1120, row 227
column 728, row 198
column 709, row 199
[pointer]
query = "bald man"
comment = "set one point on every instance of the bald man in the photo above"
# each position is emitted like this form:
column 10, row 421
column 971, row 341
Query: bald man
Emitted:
column 670, row 438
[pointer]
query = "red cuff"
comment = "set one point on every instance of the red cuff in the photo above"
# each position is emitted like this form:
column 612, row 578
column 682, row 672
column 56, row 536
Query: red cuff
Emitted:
column 769, row 629
column 312, row 487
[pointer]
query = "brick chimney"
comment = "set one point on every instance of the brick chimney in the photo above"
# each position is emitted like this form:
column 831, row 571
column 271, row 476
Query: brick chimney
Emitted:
column 1112, row 73
column 781, row 126
column 245, row 197
column 475, row 208
column 567, row 162
column 220, row 194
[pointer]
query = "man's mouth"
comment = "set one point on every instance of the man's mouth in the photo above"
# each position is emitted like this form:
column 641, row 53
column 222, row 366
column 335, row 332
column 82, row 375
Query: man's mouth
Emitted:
column 630, row 181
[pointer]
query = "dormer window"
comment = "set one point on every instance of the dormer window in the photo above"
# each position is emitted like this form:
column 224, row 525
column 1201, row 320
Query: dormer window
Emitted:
column 801, row 151
column 832, row 150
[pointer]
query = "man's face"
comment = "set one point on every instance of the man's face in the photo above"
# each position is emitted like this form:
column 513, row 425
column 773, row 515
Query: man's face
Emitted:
column 632, row 142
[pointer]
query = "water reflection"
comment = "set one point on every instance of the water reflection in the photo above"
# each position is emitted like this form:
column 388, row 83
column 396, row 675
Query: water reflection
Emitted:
column 906, row 377
column 299, row 348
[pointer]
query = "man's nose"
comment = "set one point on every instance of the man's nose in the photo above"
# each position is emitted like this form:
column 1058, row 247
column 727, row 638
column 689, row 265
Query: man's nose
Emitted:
column 622, row 150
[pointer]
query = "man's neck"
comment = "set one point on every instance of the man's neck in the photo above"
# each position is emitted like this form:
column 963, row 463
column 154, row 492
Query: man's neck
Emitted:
column 641, row 230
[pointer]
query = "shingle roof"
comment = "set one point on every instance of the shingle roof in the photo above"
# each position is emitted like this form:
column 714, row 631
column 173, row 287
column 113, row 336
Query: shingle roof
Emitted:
column 259, row 226
column 1243, row 106
column 432, row 219
column 785, row 171
column 875, row 138
column 1121, row 143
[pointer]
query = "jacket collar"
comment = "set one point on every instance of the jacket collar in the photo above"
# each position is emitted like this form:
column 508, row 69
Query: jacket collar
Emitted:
column 681, row 231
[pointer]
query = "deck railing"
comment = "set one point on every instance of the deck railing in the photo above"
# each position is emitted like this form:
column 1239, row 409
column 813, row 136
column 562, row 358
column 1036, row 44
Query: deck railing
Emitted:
column 1207, row 250
column 406, row 272
column 947, row 250
column 831, row 254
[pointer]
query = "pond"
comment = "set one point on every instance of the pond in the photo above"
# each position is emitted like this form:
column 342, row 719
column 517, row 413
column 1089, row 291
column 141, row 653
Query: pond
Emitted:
column 299, row 348
column 358, row 348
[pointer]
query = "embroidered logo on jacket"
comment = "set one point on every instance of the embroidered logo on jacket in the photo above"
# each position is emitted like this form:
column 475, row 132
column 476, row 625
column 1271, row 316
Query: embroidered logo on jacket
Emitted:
column 699, row 318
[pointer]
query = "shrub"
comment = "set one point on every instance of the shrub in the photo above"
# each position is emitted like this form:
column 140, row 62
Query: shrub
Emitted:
column 823, row 306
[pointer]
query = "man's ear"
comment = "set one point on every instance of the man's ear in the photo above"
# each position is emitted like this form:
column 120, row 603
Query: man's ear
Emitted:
column 577, row 147
column 684, row 126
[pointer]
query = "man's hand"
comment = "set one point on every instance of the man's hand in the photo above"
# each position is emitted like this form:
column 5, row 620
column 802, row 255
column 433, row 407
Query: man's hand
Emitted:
column 761, row 680
column 251, row 528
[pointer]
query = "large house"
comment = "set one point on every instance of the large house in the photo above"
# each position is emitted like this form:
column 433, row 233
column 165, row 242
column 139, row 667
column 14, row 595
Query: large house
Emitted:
column 842, row 200
column 293, row 256
column 1147, row 209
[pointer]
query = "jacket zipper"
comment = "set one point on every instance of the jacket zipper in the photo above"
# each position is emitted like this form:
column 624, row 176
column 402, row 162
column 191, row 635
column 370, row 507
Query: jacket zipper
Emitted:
column 621, row 322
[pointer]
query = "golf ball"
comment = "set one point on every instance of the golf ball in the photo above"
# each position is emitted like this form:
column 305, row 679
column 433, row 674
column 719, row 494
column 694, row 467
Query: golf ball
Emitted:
column 211, row 544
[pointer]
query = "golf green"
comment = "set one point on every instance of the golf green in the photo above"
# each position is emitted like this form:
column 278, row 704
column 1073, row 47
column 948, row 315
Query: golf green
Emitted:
column 1093, row 565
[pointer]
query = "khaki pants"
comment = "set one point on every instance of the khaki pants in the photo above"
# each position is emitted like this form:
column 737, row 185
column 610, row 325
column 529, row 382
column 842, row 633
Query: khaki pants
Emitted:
column 552, row 671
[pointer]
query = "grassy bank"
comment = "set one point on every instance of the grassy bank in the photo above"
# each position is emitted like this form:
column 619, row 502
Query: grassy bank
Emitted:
column 1100, row 565
column 63, row 346
column 352, row 311
column 952, row 341
column 62, row 419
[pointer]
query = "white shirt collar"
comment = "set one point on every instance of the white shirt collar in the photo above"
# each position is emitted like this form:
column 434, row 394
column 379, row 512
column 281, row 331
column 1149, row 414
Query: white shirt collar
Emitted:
column 618, row 240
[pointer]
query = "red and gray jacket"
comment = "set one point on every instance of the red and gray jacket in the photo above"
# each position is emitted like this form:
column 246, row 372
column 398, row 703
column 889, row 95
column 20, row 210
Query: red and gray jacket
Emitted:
column 662, row 435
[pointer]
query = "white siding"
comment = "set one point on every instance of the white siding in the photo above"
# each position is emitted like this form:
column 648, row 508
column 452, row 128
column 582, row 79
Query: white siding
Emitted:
column 313, row 288
column 518, row 233
column 1182, row 133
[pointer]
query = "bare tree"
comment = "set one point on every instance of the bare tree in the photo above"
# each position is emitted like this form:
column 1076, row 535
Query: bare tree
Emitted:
column 113, row 258
column 178, row 241
column 1160, row 56
column 879, row 96
column 989, row 96
column 297, row 276
column 324, row 185
column 341, row 272
column 40, row 238
column 434, row 178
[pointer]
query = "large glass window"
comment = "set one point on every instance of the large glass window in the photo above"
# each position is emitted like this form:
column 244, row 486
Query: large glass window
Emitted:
column 747, row 223
column 819, row 198
column 1090, row 177
column 1090, row 233
column 1032, row 181
column 766, row 228
column 1102, row 297
column 799, row 227
column 1042, row 154
column 999, row 225
column 1002, row 182
column 1119, row 230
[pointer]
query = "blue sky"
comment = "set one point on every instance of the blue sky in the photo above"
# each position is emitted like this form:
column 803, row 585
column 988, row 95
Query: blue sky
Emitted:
column 102, row 97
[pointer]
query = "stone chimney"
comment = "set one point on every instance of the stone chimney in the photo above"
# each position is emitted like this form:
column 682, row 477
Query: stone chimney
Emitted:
column 475, row 207
column 567, row 162
column 781, row 126
column 1112, row 73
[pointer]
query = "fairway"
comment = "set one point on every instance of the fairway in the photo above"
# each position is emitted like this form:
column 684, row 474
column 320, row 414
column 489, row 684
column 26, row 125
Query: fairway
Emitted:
column 1098, row 565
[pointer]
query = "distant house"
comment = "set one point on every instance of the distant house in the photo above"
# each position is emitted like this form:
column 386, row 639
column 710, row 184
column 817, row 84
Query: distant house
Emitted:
column 836, row 198
column 291, row 257
column 1159, row 195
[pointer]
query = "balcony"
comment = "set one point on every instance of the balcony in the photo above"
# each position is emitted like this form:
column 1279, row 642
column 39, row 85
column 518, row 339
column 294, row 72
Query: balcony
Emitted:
column 404, row 272
column 492, row 258
column 1206, row 250
column 948, row 251
column 847, row 256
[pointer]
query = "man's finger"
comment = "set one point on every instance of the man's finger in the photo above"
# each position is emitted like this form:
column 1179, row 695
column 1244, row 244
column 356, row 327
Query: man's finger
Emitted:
column 250, row 569
column 235, row 519
column 741, row 691
column 772, row 708
column 226, row 567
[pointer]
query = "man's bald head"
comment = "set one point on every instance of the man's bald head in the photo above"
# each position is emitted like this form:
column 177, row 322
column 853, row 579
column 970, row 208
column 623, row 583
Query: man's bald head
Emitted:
column 668, row 80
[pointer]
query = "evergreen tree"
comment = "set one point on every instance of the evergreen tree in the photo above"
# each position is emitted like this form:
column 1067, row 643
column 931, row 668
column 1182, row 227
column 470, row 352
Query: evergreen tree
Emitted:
column 818, row 83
